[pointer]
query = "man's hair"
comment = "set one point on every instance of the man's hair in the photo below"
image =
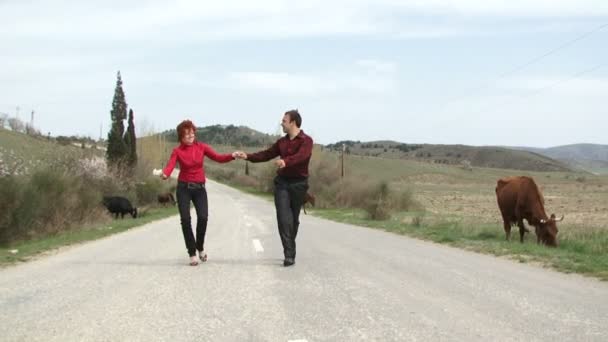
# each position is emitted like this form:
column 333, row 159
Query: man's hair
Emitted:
column 184, row 126
column 294, row 115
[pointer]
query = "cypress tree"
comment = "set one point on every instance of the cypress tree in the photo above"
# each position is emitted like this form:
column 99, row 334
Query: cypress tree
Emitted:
column 117, row 150
column 131, row 141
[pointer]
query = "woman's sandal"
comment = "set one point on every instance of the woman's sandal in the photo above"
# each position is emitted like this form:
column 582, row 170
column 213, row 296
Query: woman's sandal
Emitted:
column 202, row 255
column 193, row 261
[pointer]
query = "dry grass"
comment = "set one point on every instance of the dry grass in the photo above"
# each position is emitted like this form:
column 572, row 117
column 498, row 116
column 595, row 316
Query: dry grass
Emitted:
column 443, row 192
column 584, row 206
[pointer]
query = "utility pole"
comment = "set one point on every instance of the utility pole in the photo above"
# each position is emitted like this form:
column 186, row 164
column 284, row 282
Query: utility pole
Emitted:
column 32, row 119
column 165, row 147
column 343, row 149
column 162, row 139
column 160, row 156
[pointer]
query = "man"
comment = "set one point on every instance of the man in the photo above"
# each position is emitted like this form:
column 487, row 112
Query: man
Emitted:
column 291, row 183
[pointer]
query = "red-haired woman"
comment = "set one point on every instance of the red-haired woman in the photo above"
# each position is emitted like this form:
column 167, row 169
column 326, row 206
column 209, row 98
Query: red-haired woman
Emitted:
column 190, row 155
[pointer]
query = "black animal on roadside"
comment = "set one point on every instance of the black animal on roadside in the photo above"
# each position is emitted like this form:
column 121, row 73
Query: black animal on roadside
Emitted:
column 119, row 205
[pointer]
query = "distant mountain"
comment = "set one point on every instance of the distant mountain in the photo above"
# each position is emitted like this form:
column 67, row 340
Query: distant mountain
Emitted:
column 589, row 157
column 579, row 157
column 486, row 156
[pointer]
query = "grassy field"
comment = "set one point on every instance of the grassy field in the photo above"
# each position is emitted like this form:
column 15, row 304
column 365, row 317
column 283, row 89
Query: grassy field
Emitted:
column 479, row 156
column 27, row 250
column 468, row 196
column 458, row 207
column 38, row 152
column 449, row 191
column 23, row 153
column 584, row 253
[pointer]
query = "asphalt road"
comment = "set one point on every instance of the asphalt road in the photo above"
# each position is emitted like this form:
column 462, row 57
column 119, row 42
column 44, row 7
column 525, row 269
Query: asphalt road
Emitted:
column 349, row 284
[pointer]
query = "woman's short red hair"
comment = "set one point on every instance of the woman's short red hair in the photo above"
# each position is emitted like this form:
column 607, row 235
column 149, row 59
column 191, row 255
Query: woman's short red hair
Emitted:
column 184, row 126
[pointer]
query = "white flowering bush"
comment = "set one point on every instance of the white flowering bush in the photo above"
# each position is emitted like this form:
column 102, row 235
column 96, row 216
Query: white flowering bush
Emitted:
column 94, row 167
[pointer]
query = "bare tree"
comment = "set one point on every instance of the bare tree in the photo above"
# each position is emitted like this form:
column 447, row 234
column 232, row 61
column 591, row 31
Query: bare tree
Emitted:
column 3, row 119
column 16, row 125
column 31, row 130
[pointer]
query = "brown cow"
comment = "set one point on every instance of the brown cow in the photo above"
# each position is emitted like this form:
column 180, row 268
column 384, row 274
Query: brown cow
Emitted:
column 166, row 198
column 308, row 198
column 519, row 198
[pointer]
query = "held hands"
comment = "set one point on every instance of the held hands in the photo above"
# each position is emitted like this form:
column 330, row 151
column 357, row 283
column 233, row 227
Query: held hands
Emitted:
column 239, row 155
column 280, row 163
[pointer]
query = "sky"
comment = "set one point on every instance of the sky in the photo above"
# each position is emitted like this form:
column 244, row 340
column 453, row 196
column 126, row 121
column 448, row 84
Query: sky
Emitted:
column 473, row 72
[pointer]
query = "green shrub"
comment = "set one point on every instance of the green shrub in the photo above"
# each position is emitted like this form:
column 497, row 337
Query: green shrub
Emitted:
column 417, row 220
column 10, row 197
column 403, row 200
column 147, row 192
column 377, row 204
column 46, row 202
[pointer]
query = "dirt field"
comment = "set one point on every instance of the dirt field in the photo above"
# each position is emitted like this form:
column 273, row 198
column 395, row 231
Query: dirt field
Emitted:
column 450, row 192
column 584, row 206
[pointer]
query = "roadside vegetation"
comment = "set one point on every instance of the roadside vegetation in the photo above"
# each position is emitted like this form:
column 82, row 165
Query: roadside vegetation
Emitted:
column 452, row 204
column 51, row 189
column 58, row 201
column 449, row 204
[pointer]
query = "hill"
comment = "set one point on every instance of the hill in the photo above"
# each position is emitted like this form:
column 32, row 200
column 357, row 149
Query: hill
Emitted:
column 589, row 157
column 21, row 153
column 485, row 156
column 227, row 135
column 494, row 157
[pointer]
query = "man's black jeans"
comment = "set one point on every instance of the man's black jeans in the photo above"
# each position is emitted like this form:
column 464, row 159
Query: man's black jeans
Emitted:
column 196, row 193
column 288, row 198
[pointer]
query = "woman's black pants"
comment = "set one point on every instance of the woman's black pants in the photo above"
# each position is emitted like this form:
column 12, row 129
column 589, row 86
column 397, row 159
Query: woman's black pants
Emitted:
column 197, row 194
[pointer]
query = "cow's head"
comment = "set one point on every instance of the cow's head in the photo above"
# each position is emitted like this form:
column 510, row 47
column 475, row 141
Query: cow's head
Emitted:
column 548, row 231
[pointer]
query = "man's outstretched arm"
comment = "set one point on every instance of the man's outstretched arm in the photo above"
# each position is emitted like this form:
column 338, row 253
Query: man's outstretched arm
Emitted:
column 264, row 155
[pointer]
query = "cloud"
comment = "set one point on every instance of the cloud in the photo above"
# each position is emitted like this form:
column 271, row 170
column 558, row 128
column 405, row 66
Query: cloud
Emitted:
column 183, row 56
column 502, row 8
column 377, row 66
column 272, row 19
column 309, row 84
column 280, row 82
column 365, row 76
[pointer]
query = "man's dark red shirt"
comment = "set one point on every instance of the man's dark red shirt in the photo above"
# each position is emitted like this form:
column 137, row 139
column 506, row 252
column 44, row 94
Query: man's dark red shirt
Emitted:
column 295, row 152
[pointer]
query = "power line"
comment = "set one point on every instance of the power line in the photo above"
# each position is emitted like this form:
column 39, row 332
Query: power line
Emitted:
column 550, row 52
column 528, row 63
column 565, row 80
column 549, row 86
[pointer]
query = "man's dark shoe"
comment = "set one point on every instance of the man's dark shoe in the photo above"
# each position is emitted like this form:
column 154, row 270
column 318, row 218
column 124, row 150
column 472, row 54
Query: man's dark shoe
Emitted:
column 288, row 262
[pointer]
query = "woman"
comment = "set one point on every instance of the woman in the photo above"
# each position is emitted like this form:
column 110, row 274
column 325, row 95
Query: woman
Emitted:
column 190, row 155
